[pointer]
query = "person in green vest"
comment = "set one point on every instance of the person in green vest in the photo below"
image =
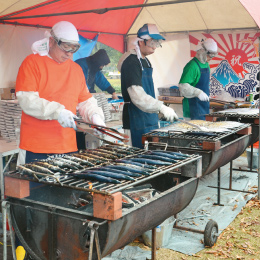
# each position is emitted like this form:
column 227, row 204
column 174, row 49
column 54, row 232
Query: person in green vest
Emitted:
column 195, row 79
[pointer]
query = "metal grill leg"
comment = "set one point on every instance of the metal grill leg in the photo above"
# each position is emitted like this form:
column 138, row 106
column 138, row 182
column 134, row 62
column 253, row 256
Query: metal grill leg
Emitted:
column 251, row 163
column 251, row 157
column 218, row 203
column 230, row 182
column 230, row 175
column 4, row 230
column 154, row 243
column 6, row 214
column 94, row 234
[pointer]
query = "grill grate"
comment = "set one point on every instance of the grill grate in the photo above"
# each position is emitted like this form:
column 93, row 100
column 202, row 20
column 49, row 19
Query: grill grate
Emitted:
column 198, row 136
column 235, row 115
column 99, row 187
column 112, row 188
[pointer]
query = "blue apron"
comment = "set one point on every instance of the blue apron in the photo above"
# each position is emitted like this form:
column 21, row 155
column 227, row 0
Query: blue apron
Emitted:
column 198, row 109
column 142, row 122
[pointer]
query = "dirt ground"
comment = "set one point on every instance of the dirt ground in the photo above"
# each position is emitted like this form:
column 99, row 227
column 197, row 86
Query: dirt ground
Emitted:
column 240, row 240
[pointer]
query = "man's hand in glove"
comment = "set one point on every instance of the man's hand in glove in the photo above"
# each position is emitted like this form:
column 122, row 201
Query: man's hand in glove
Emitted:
column 203, row 96
column 97, row 120
column 66, row 119
column 168, row 113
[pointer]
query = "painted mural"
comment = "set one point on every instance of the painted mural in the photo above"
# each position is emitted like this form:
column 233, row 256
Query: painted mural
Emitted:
column 234, row 70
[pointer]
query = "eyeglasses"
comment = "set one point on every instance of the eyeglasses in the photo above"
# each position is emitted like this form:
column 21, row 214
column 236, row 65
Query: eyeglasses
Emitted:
column 153, row 43
column 212, row 54
column 67, row 47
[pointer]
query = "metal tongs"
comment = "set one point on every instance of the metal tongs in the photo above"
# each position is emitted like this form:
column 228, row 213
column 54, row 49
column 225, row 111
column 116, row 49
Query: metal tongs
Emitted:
column 201, row 128
column 224, row 103
column 104, row 130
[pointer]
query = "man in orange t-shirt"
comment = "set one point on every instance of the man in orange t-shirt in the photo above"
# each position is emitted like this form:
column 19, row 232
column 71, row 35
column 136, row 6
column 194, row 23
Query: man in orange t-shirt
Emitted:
column 50, row 88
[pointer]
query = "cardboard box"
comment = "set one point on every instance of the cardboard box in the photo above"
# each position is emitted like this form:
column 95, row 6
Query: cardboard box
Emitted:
column 7, row 93
column 169, row 91
column 170, row 99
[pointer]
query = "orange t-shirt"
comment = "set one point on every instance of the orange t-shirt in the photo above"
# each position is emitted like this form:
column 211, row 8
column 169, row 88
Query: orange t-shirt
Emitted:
column 63, row 83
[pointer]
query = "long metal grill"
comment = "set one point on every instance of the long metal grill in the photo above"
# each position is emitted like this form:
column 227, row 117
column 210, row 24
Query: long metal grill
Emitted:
column 234, row 115
column 112, row 188
column 71, row 182
column 193, row 135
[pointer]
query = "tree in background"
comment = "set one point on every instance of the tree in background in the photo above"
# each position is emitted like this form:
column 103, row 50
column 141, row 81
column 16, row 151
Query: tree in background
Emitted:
column 113, row 55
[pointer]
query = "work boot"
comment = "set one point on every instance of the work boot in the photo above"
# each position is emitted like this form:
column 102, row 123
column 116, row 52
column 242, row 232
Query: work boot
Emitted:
column 20, row 253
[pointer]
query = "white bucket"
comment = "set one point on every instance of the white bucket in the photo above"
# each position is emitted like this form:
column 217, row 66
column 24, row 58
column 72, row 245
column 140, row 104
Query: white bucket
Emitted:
column 255, row 157
column 163, row 233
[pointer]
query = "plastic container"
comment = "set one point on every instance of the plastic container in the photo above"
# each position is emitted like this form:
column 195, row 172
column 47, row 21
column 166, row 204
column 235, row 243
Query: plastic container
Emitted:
column 255, row 157
column 171, row 91
column 116, row 105
column 163, row 233
column 164, row 123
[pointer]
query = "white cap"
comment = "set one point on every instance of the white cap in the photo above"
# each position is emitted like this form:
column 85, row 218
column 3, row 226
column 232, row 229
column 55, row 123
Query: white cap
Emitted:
column 210, row 45
column 66, row 32
column 148, row 31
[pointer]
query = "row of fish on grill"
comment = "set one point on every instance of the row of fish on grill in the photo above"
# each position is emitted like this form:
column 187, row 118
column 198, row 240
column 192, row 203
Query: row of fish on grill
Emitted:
column 109, row 164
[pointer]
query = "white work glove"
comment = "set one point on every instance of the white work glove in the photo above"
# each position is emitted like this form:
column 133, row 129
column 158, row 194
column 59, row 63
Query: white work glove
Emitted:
column 168, row 113
column 66, row 119
column 203, row 96
column 97, row 120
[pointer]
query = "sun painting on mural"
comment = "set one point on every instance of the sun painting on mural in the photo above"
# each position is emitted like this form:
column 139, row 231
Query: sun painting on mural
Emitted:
column 235, row 68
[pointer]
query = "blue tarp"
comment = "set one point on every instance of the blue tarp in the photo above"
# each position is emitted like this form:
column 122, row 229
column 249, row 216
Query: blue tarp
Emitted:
column 85, row 48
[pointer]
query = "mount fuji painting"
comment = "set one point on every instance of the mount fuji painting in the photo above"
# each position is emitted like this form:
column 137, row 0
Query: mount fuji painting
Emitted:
column 234, row 69
column 225, row 74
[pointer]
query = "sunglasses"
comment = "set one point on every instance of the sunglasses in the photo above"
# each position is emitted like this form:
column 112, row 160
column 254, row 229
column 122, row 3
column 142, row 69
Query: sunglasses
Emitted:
column 67, row 47
column 153, row 43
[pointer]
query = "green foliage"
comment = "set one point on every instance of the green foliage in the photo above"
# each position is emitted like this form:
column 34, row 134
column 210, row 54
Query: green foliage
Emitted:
column 114, row 57
column 116, row 84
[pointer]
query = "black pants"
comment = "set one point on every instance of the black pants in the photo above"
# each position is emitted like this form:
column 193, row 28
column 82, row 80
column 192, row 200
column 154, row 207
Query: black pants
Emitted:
column 81, row 141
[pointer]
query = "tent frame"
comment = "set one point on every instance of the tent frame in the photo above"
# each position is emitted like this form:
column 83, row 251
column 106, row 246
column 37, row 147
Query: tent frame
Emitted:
column 96, row 11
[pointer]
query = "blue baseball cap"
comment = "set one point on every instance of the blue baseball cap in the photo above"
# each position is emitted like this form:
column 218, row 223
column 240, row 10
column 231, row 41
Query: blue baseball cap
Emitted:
column 151, row 30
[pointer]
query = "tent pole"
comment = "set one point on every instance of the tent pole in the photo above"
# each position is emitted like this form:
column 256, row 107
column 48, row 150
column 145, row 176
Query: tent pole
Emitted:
column 49, row 27
column 30, row 8
column 258, row 170
column 102, row 10
column 125, row 43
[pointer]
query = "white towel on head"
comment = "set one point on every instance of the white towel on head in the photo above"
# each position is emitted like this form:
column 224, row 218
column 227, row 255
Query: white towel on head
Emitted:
column 137, row 48
column 41, row 47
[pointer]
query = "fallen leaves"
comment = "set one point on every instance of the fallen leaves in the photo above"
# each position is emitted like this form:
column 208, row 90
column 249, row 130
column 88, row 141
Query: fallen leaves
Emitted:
column 247, row 222
column 220, row 252
column 239, row 241
column 235, row 206
column 240, row 258
column 254, row 202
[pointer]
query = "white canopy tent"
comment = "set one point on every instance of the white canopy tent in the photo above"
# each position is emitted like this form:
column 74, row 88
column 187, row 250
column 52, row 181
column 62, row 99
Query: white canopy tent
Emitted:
column 175, row 19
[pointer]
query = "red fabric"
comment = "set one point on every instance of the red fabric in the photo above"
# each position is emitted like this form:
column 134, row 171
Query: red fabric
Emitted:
column 118, row 21
column 45, row 76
